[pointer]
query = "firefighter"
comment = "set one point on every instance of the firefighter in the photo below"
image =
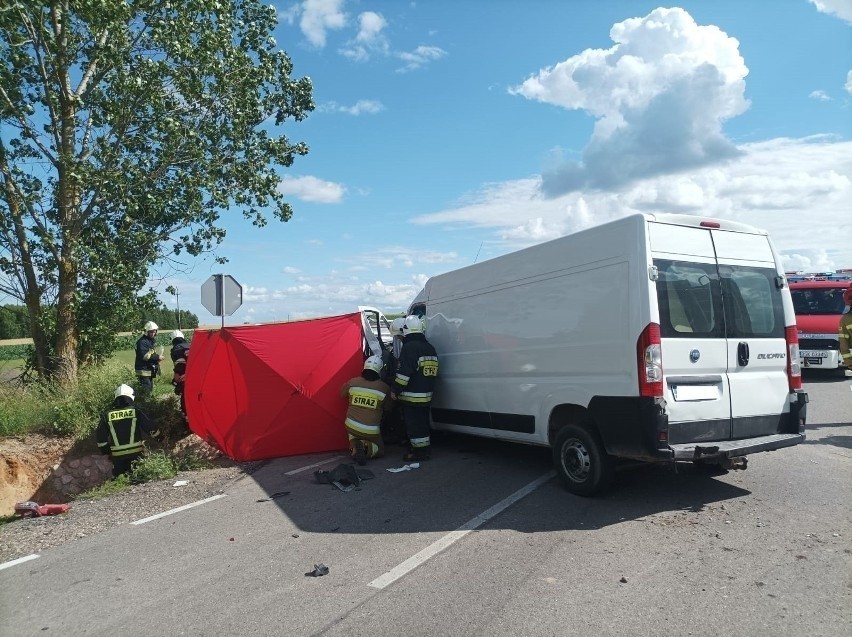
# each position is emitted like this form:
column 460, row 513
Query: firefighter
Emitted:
column 413, row 386
column 845, row 330
column 120, row 431
column 147, row 364
column 367, row 395
column 179, row 354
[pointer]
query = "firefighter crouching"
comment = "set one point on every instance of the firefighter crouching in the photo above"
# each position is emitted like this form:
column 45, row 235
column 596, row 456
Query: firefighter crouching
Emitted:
column 179, row 354
column 367, row 395
column 120, row 431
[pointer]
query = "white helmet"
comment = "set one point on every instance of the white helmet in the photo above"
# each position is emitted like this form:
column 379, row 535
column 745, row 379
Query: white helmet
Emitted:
column 374, row 363
column 150, row 326
column 396, row 325
column 413, row 325
column 177, row 334
column 124, row 390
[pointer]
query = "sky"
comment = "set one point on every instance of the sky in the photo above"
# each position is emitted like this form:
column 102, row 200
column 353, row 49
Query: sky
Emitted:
column 449, row 132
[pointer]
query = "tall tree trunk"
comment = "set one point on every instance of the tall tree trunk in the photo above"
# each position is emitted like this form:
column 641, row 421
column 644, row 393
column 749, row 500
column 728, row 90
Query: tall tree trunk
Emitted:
column 29, row 282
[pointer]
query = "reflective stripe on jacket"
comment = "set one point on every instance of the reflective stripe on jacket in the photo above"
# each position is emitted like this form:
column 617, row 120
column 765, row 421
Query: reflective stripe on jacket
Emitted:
column 417, row 371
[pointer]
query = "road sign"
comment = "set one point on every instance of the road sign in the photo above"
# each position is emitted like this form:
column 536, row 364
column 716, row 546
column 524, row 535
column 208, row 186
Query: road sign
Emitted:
column 221, row 295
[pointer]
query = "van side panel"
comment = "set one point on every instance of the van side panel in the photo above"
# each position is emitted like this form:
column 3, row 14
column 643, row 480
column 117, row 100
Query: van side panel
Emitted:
column 549, row 325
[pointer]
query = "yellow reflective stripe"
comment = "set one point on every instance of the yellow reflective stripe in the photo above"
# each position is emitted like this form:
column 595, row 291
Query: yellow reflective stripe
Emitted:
column 407, row 398
column 126, row 452
column 148, row 354
column 402, row 380
column 424, row 359
column 143, row 372
column 113, row 434
column 361, row 428
column 419, row 442
column 102, row 444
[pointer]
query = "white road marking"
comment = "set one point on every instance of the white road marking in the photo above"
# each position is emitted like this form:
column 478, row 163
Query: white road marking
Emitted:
column 450, row 538
column 20, row 560
column 178, row 509
column 311, row 466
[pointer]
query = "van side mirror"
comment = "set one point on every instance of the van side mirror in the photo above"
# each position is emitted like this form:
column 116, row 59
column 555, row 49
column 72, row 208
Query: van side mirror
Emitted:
column 780, row 281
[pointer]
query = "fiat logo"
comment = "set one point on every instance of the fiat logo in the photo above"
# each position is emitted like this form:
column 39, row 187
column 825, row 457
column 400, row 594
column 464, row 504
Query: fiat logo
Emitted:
column 694, row 355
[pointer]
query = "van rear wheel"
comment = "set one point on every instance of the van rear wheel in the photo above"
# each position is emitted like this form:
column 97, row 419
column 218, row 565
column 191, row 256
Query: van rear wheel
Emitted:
column 581, row 460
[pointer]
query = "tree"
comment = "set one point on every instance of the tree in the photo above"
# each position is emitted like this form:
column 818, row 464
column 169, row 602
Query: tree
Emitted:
column 127, row 127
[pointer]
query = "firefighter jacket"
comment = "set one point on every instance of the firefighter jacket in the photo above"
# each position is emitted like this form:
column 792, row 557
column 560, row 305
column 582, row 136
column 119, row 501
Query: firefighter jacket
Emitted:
column 121, row 429
column 147, row 360
column 367, row 400
column 417, row 371
column 179, row 354
column 845, row 336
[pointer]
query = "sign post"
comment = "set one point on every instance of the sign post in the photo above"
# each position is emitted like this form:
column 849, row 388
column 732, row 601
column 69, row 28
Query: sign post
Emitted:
column 221, row 295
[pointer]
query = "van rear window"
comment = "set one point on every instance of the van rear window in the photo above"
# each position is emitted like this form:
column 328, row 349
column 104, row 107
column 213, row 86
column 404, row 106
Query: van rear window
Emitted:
column 687, row 294
column 705, row 301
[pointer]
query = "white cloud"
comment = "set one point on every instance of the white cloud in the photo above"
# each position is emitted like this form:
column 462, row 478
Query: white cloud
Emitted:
column 312, row 189
column 395, row 257
column 369, row 40
column 848, row 85
column 779, row 185
column 820, row 95
column 660, row 96
column 320, row 16
column 419, row 57
column 289, row 269
column 840, row 8
column 359, row 108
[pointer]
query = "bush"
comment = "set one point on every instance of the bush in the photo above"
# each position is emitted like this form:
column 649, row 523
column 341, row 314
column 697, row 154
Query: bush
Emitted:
column 156, row 465
column 110, row 487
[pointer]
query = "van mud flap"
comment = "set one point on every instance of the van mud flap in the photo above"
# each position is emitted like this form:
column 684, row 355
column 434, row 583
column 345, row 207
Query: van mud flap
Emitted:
column 734, row 448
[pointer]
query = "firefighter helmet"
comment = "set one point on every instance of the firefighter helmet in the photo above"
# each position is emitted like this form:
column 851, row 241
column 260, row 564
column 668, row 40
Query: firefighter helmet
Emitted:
column 847, row 295
column 396, row 326
column 413, row 325
column 150, row 326
column 124, row 390
column 374, row 363
column 177, row 334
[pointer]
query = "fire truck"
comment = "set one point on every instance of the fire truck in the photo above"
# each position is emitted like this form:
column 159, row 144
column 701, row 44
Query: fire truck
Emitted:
column 818, row 304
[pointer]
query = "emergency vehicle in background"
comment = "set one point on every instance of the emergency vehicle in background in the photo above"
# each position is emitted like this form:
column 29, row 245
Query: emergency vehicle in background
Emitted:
column 818, row 304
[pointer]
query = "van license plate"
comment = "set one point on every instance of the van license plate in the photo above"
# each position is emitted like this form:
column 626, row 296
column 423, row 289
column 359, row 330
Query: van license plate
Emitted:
column 812, row 354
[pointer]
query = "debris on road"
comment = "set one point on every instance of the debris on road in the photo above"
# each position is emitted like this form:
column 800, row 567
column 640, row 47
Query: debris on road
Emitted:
column 319, row 570
column 344, row 477
column 408, row 467
column 180, row 483
column 280, row 494
column 31, row 509
column 623, row 580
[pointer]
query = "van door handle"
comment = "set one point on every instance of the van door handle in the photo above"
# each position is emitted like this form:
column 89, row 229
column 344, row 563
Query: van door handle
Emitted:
column 742, row 354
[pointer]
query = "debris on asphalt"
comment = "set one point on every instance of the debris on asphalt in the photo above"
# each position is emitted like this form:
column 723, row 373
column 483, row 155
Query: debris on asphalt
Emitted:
column 344, row 477
column 623, row 580
column 408, row 467
column 180, row 483
column 280, row 494
column 319, row 570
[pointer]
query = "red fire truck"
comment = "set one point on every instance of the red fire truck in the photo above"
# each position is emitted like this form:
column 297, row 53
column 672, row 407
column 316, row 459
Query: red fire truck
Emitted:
column 818, row 303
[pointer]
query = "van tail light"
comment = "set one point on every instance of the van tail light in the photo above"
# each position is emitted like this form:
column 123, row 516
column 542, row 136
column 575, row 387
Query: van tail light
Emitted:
column 650, row 360
column 794, row 367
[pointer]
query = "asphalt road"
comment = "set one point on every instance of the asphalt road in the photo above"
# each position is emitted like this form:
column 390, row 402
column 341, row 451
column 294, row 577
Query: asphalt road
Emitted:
column 478, row 541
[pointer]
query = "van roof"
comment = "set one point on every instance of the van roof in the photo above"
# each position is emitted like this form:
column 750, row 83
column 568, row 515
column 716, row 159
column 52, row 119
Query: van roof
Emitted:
column 696, row 221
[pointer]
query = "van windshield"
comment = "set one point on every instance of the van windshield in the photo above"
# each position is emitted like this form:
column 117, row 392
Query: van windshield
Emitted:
column 701, row 300
column 822, row 301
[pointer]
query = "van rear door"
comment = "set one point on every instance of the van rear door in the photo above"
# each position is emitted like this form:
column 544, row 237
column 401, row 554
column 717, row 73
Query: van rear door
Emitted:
column 692, row 333
column 722, row 333
column 754, row 323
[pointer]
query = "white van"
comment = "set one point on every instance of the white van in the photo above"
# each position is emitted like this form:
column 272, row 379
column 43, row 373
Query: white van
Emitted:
column 661, row 338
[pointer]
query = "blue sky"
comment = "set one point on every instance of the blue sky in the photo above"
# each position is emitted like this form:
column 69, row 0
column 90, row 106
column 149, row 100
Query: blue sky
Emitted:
column 448, row 132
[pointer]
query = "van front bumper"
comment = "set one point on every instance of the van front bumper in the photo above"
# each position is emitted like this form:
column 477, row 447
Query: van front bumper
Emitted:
column 734, row 448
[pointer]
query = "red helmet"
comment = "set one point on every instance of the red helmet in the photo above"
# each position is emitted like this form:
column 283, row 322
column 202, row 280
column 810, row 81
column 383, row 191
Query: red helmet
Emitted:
column 847, row 295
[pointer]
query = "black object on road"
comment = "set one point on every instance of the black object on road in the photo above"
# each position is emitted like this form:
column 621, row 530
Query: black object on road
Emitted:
column 319, row 570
